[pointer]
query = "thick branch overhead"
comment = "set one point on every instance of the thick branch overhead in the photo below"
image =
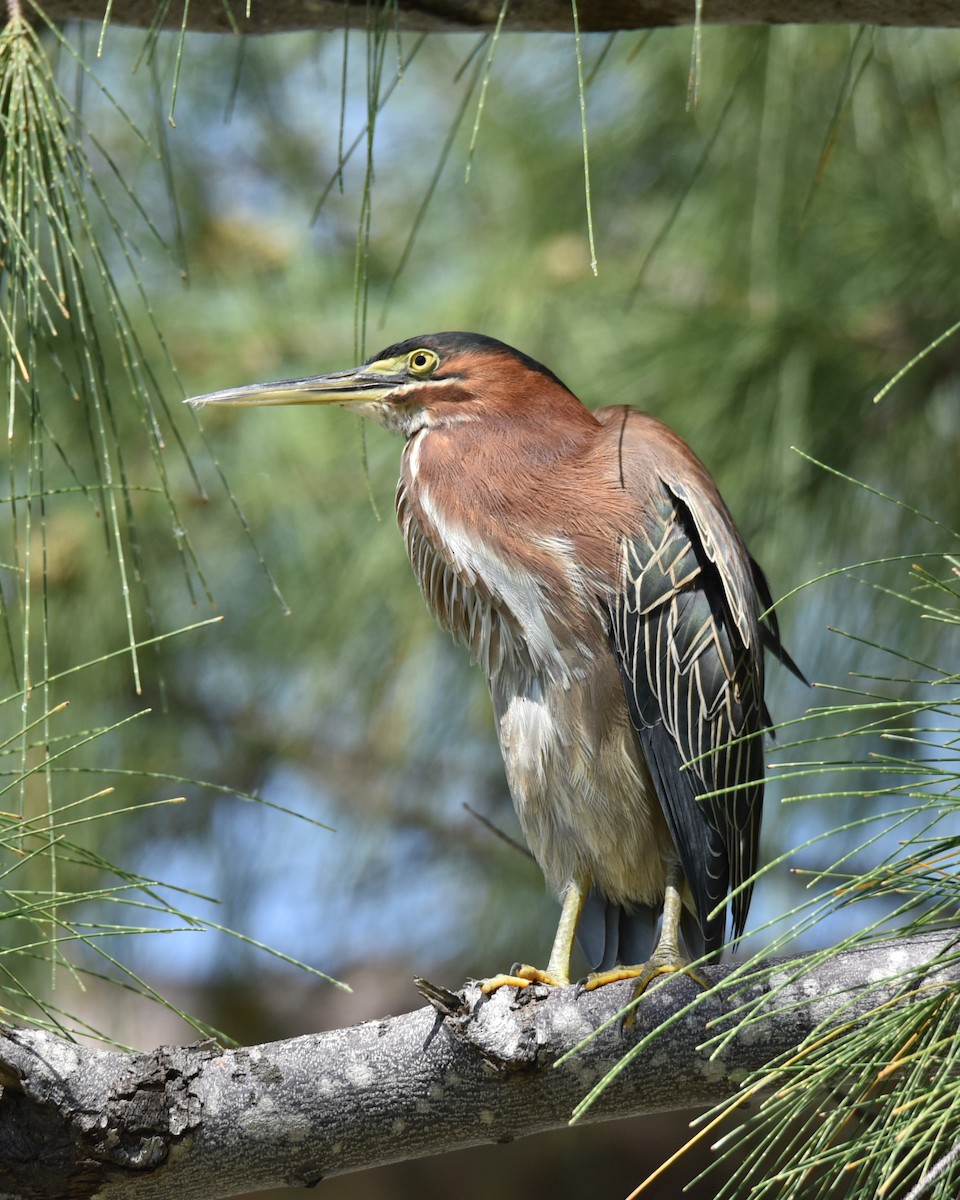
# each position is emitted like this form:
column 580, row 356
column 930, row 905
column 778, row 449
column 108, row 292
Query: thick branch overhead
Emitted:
column 212, row 16
column 201, row 1122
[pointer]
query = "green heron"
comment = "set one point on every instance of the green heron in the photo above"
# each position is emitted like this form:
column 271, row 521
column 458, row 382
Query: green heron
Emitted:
column 591, row 567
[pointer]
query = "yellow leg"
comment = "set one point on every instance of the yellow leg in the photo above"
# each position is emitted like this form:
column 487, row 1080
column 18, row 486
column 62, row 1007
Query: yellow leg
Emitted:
column 557, row 973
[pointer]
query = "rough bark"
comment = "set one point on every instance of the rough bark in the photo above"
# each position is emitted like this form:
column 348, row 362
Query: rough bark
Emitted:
column 200, row 1122
column 522, row 15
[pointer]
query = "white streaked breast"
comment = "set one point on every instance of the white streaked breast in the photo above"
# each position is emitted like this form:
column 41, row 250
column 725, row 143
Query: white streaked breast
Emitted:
column 511, row 587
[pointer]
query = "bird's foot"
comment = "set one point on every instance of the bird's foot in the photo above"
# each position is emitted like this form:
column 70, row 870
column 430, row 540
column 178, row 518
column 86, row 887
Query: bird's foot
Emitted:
column 520, row 976
column 644, row 974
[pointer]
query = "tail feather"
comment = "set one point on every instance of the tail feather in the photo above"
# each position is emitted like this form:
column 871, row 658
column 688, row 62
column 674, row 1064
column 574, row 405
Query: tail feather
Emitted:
column 610, row 934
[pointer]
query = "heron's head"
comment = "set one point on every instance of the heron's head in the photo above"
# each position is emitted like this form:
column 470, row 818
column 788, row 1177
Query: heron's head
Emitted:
column 429, row 381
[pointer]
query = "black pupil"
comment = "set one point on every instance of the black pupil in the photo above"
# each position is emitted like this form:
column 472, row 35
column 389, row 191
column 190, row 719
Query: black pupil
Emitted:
column 419, row 360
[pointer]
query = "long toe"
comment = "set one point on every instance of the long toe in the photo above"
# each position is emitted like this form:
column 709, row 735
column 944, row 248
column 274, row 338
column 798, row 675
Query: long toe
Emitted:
column 644, row 974
column 520, row 976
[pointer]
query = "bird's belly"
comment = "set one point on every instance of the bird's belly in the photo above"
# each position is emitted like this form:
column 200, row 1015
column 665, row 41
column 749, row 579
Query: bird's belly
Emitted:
column 581, row 789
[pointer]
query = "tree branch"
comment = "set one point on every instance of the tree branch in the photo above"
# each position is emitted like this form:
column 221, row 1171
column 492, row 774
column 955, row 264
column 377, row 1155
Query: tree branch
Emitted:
column 201, row 1122
column 211, row 16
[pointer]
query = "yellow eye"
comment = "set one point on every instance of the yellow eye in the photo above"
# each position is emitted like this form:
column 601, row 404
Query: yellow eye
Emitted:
column 422, row 362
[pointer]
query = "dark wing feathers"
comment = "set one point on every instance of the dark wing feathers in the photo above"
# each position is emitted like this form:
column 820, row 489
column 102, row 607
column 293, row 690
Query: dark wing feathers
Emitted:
column 770, row 629
column 685, row 633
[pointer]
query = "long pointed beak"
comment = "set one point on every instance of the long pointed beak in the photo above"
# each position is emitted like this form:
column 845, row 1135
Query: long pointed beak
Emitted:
column 342, row 387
